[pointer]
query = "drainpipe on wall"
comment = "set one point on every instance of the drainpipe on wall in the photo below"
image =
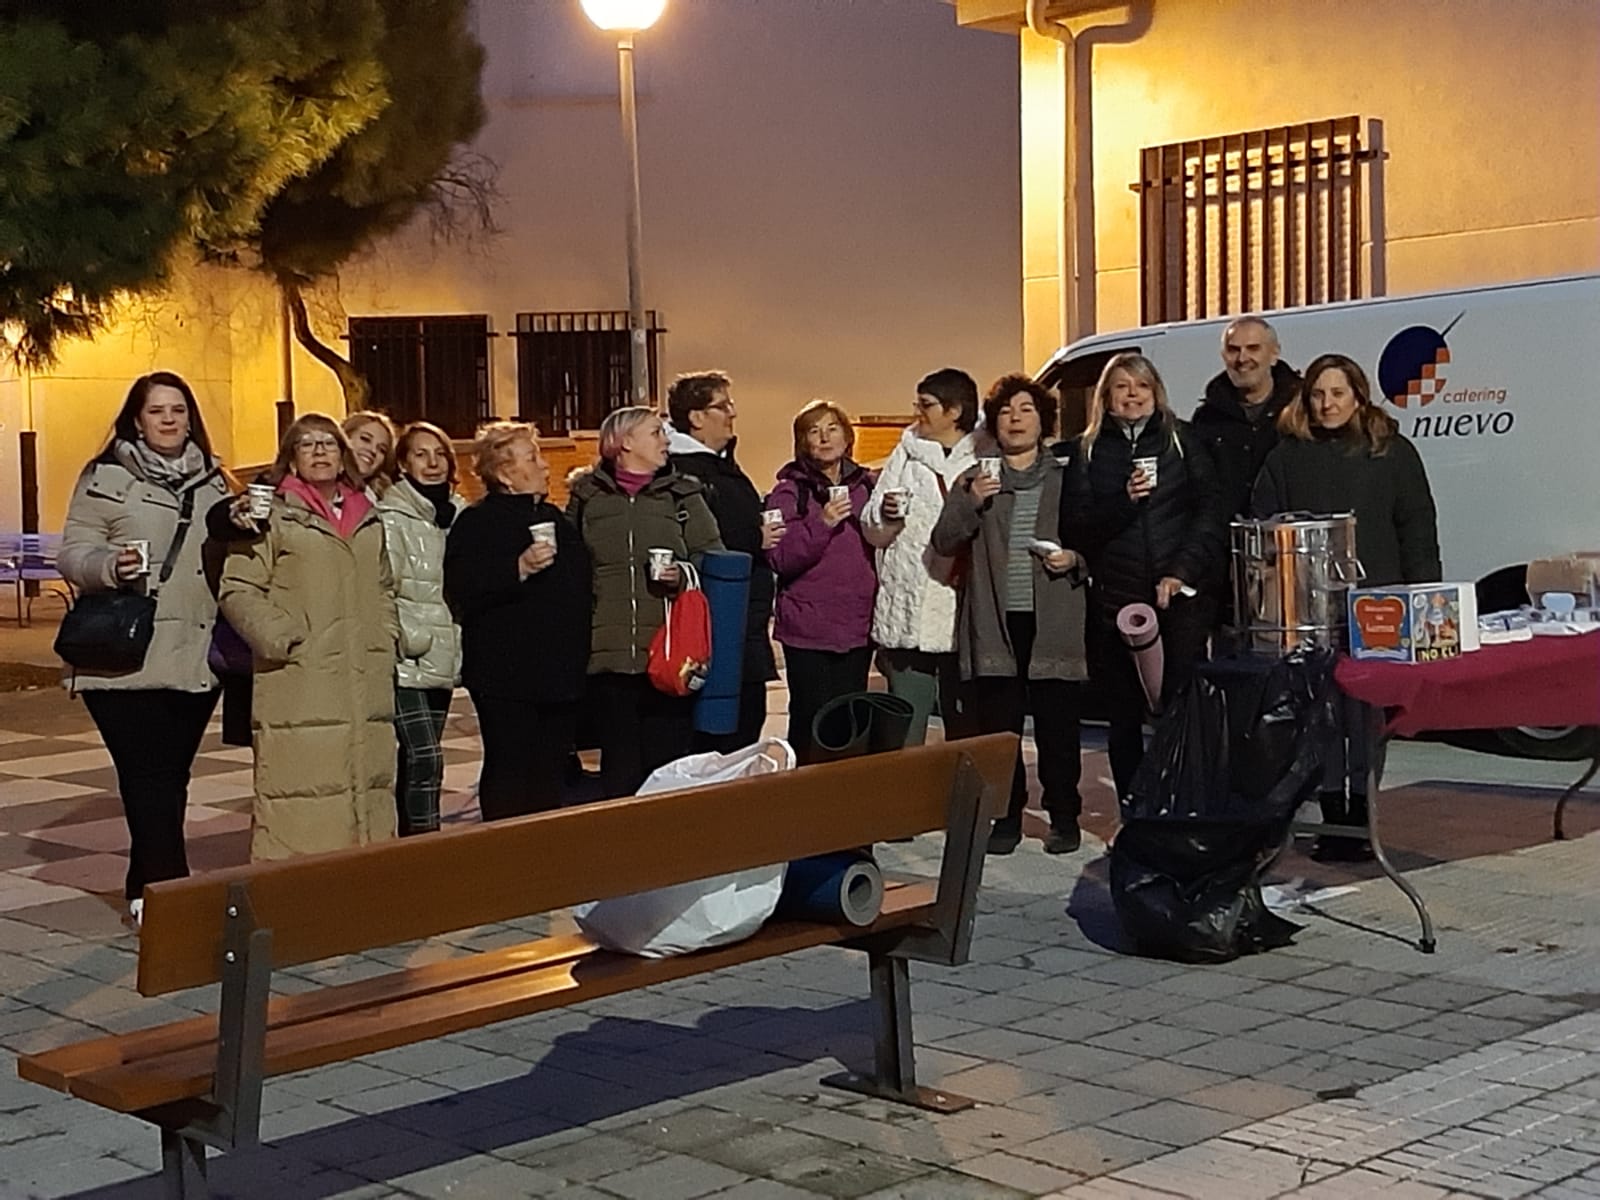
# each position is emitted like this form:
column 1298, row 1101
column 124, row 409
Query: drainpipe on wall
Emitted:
column 1077, row 250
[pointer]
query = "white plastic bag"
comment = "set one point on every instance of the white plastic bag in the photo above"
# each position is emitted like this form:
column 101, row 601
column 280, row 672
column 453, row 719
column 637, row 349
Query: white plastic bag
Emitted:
column 708, row 912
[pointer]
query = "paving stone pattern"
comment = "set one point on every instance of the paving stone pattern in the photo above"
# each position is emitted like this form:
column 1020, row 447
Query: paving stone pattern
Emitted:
column 1346, row 1065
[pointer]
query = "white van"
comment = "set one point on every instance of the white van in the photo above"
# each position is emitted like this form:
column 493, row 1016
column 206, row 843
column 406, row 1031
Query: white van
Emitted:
column 1495, row 385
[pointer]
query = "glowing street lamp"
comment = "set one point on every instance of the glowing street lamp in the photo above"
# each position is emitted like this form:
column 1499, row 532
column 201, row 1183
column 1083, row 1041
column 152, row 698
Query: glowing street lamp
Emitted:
column 626, row 18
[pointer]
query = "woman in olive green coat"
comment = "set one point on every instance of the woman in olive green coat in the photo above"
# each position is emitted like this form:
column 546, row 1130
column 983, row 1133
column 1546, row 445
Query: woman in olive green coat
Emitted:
column 628, row 505
column 313, row 598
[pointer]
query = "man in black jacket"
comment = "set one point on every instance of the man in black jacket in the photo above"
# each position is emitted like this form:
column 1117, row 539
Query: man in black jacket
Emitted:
column 702, row 445
column 1238, row 419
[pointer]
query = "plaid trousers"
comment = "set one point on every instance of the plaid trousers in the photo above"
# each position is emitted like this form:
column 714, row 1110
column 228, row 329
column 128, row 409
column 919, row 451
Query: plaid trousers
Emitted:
column 419, row 715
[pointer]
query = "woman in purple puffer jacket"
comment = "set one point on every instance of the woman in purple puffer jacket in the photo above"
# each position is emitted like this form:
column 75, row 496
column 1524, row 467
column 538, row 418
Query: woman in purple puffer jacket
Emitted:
column 826, row 577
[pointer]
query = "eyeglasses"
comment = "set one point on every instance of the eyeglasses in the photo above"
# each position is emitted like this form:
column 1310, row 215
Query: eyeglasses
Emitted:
column 317, row 443
column 926, row 405
column 722, row 405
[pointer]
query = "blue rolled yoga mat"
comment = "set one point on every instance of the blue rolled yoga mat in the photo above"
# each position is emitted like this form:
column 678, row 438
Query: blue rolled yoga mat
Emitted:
column 725, row 579
column 842, row 887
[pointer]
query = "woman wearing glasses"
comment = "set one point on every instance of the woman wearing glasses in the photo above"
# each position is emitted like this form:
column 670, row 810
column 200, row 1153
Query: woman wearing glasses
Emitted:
column 313, row 598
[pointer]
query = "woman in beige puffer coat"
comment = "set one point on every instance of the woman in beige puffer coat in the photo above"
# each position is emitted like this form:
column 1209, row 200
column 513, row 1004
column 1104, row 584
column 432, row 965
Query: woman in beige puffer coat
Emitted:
column 313, row 598
column 152, row 483
column 417, row 512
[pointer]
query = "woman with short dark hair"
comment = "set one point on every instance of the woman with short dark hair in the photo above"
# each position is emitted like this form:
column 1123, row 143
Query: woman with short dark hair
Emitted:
column 313, row 598
column 826, row 576
column 130, row 527
column 417, row 511
column 1020, row 629
column 517, row 576
column 914, row 615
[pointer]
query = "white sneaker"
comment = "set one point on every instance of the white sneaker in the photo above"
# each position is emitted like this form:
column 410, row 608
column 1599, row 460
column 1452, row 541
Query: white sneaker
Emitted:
column 136, row 911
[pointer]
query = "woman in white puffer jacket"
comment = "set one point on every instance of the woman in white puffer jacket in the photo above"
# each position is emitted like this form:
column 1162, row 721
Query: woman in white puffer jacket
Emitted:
column 417, row 512
column 914, row 618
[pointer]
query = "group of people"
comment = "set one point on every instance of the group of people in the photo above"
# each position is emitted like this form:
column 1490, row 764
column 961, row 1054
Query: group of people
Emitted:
column 339, row 601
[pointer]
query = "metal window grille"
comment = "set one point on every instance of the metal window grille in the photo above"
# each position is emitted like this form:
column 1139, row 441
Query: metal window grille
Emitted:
column 426, row 368
column 1249, row 222
column 572, row 367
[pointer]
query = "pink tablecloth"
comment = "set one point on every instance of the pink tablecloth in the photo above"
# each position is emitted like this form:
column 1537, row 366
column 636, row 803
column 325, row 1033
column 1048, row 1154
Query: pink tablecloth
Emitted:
column 1549, row 681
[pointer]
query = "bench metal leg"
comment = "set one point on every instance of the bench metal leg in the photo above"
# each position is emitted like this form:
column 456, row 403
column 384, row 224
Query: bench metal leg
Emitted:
column 183, row 1167
column 895, row 1074
column 1560, row 833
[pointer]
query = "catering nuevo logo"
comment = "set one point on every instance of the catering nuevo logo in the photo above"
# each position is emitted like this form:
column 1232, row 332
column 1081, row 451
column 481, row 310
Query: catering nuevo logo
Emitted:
column 1411, row 364
column 1411, row 375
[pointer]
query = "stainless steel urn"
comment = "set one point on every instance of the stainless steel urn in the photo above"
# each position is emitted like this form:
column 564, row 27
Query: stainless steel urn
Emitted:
column 1292, row 574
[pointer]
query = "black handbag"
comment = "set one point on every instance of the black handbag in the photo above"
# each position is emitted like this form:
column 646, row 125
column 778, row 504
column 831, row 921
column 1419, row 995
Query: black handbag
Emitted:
column 109, row 632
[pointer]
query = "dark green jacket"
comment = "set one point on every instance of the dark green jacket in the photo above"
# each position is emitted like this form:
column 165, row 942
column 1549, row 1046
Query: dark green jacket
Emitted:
column 1397, row 528
column 620, row 530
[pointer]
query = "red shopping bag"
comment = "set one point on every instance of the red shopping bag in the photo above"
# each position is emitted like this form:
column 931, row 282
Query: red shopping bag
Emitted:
column 680, row 651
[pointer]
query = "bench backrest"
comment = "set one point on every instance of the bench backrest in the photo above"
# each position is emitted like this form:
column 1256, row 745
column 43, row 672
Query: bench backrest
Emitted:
column 373, row 896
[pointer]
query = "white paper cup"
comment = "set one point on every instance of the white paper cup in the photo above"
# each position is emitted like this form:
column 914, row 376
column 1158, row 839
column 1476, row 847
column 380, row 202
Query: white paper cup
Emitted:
column 1148, row 466
column 543, row 533
column 990, row 467
column 260, row 495
column 142, row 547
column 660, row 561
column 772, row 516
column 901, row 498
column 838, row 491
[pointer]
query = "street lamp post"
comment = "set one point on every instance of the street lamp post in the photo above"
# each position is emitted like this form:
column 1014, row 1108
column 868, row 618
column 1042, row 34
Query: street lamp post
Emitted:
column 625, row 18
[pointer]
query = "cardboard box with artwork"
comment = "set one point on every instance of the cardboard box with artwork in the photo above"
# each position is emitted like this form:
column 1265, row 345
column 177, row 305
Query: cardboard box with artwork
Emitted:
column 1414, row 623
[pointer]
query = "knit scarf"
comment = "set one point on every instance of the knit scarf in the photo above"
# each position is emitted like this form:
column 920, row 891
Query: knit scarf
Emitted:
column 173, row 473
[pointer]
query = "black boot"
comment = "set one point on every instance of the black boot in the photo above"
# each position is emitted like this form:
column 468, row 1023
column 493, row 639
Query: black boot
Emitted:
column 1336, row 810
column 1360, row 849
column 1324, row 847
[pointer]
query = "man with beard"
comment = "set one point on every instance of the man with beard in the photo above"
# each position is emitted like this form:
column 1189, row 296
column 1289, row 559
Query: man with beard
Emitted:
column 1238, row 419
column 702, row 444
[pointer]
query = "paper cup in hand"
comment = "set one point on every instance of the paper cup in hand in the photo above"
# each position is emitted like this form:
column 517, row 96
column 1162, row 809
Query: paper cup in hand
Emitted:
column 660, row 562
column 898, row 499
column 838, row 492
column 543, row 533
column 142, row 549
column 260, row 500
column 990, row 467
column 771, row 517
column 1148, row 466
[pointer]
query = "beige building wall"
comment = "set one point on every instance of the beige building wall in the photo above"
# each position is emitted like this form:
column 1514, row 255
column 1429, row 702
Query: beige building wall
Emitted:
column 1489, row 111
column 830, row 208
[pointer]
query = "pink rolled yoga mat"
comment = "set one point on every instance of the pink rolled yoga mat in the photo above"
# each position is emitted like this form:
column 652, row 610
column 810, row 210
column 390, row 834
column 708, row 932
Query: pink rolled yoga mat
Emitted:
column 1139, row 628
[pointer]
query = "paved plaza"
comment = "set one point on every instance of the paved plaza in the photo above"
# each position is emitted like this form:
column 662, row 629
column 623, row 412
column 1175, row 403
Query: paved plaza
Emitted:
column 1346, row 1065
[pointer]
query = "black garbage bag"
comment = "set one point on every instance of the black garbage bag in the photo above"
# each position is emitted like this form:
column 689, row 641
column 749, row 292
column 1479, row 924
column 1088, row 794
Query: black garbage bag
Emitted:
column 1191, row 890
column 1229, row 763
column 860, row 723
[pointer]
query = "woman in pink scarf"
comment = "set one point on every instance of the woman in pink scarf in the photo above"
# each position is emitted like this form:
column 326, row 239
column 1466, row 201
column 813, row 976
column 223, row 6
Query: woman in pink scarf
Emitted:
column 313, row 598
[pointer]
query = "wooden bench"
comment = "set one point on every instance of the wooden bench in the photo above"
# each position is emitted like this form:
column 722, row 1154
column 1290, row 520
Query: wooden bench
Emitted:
column 200, row 1079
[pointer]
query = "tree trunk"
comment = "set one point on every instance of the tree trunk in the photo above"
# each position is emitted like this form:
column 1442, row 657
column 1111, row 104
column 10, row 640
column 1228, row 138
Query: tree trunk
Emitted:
column 354, row 384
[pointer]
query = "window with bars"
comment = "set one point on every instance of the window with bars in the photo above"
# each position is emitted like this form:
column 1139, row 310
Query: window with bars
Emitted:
column 1249, row 222
column 426, row 368
column 573, row 367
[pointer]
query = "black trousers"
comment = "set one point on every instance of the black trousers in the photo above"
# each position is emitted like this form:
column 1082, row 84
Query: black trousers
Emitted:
column 640, row 729
column 525, row 748
column 816, row 677
column 752, row 716
column 1185, row 626
column 152, row 735
column 998, row 704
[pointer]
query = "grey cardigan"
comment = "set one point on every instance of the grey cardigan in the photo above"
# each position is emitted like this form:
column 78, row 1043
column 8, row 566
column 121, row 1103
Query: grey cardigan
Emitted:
column 982, row 536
